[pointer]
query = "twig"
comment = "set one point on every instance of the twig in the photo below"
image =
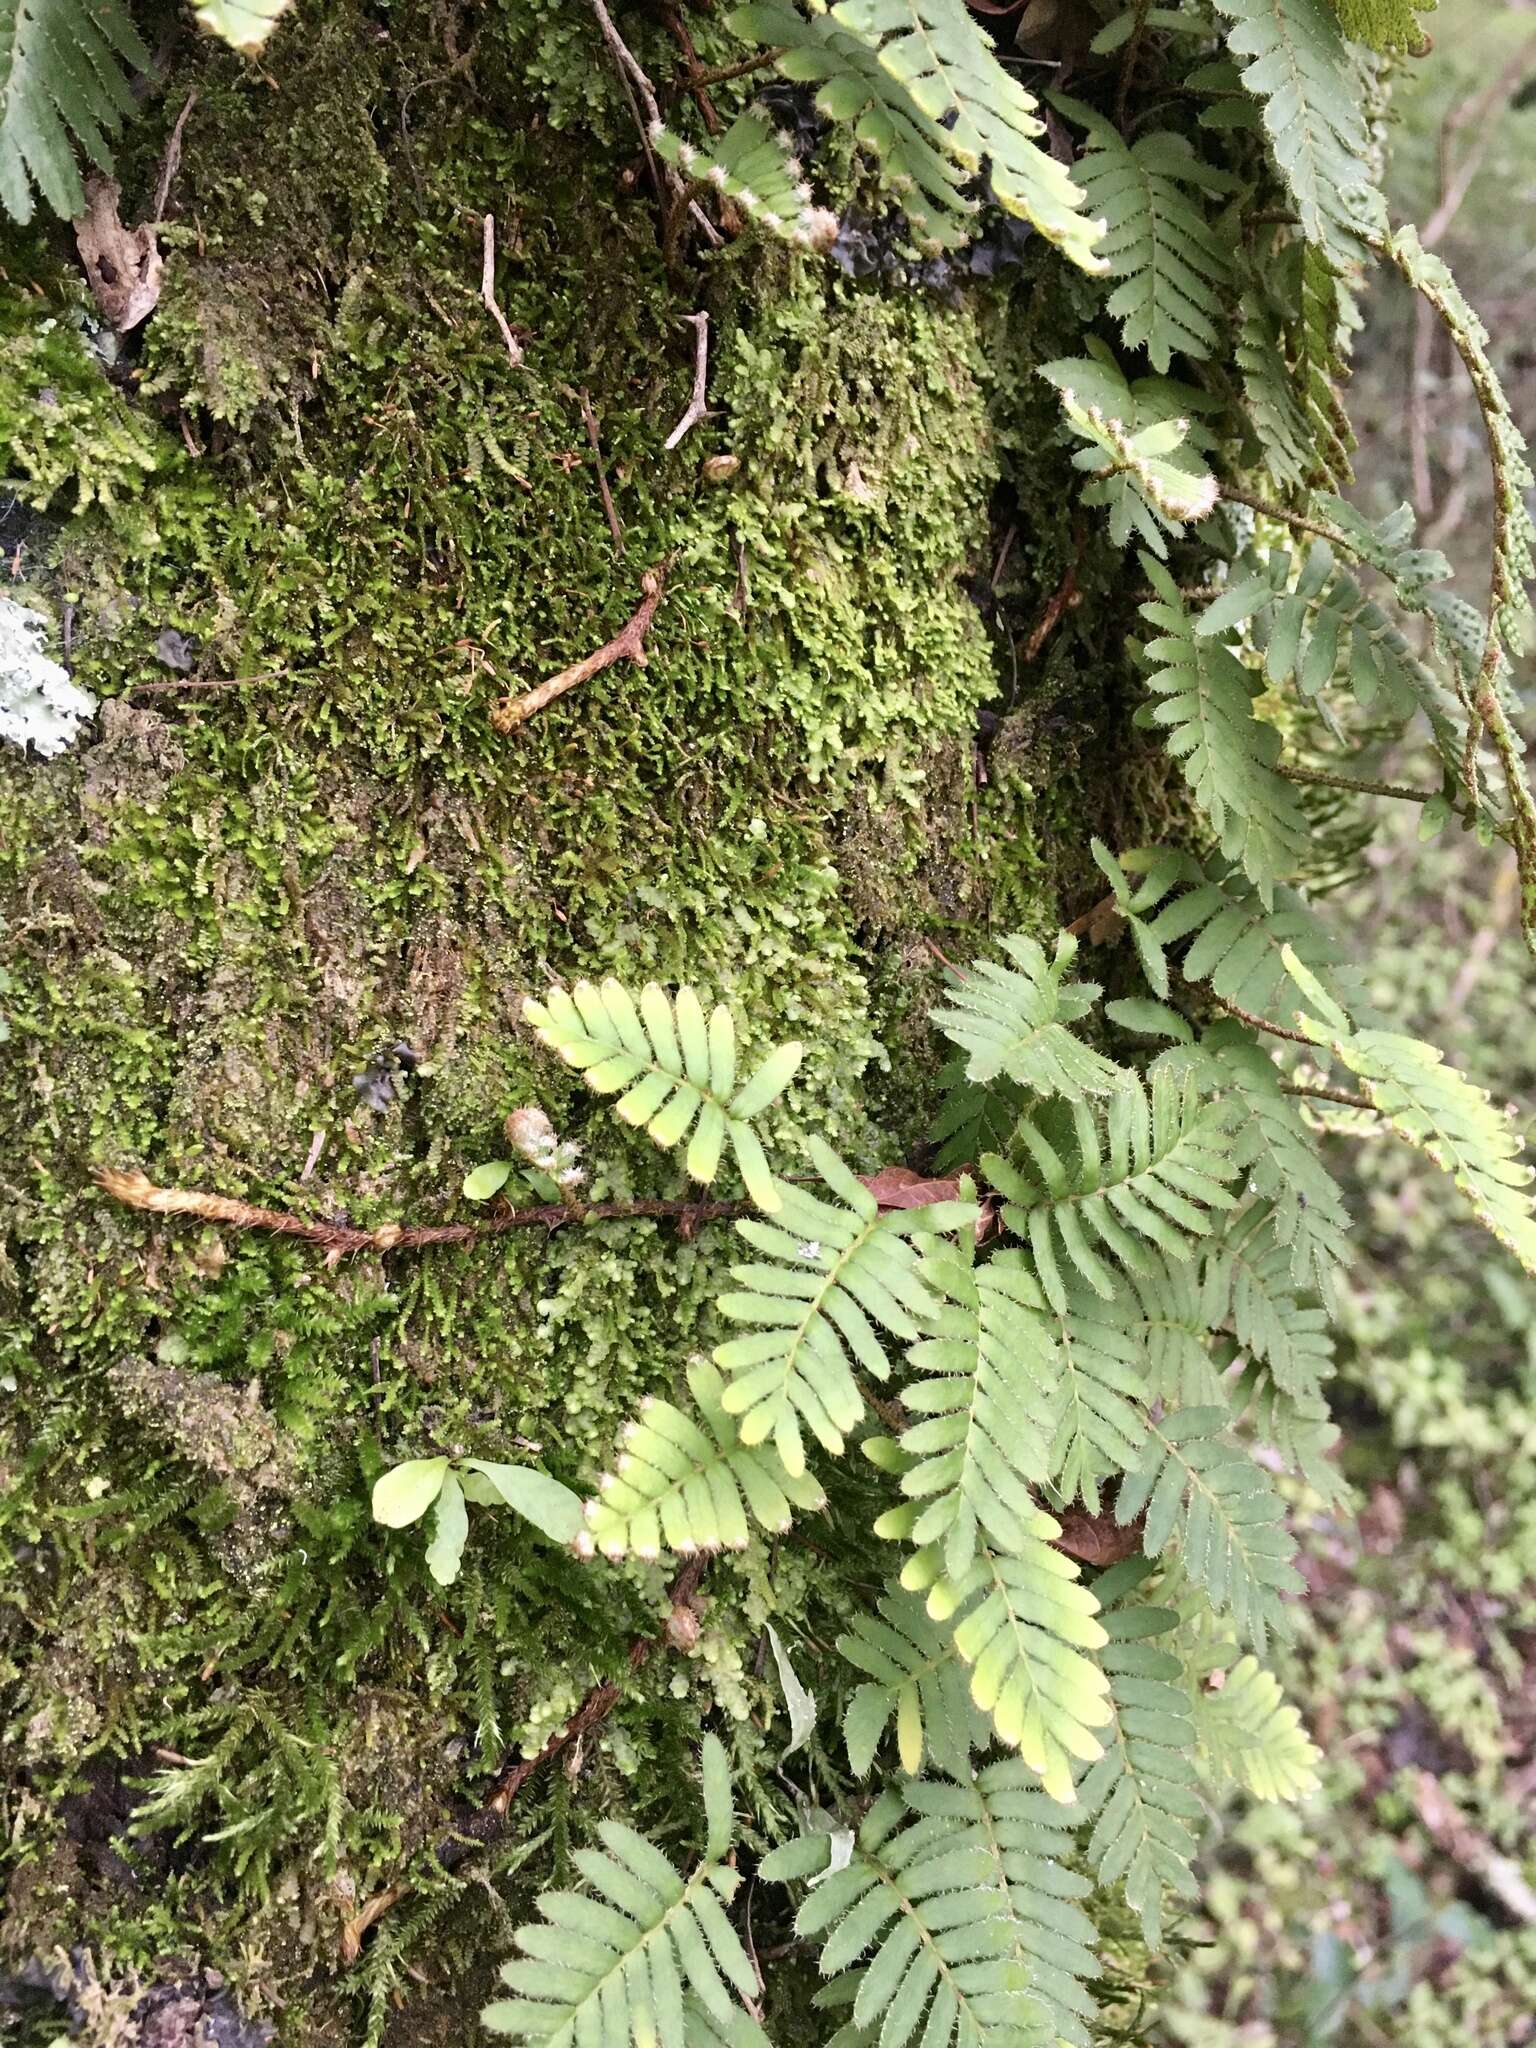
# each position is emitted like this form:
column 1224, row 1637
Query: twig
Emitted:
column 718, row 74
column 1283, row 517
column 341, row 1238
column 602, row 481
column 170, row 163
column 1129, row 62
column 696, row 407
column 1063, row 598
column 628, row 644
column 488, row 291
column 692, row 78
column 635, row 82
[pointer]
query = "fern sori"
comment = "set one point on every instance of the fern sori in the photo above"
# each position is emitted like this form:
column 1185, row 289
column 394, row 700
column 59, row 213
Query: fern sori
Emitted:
column 752, row 164
column 676, row 1071
column 62, row 82
column 1203, row 698
column 1011, row 1022
column 1151, row 1180
column 1171, row 265
column 839, row 1272
column 626, row 1960
column 678, row 1488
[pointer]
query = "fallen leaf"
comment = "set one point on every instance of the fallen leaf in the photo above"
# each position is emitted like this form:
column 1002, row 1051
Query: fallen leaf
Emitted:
column 1096, row 1539
column 898, row 1187
column 122, row 265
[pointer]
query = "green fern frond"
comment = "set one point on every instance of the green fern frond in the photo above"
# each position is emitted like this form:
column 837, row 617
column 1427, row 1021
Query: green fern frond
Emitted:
column 985, row 1374
column 1204, row 700
column 1194, row 1484
column 1141, row 1795
column 1022, row 1623
column 61, row 83
column 676, row 1071
column 1291, row 1341
column 1181, row 1305
column 1099, row 1427
column 1146, row 476
column 916, row 1678
column 678, row 1488
column 619, row 1962
column 975, row 1116
column 1171, row 265
column 1012, row 1022
column 1247, row 1732
column 1153, row 1180
column 840, row 1273
column 1299, row 70
column 1299, row 1433
column 755, row 166
column 1273, row 397
column 1438, row 1111
column 243, row 24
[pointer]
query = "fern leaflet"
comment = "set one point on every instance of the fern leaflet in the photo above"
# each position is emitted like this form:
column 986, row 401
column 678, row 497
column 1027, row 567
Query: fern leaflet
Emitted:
column 61, row 77
column 1247, row 1732
column 753, row 165
column 915, row 1676
column 1012, row 1022
column 1099, row 1428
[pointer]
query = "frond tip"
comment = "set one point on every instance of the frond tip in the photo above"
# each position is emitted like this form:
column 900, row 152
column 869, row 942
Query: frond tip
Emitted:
column 61, row 82
column 673, row 1071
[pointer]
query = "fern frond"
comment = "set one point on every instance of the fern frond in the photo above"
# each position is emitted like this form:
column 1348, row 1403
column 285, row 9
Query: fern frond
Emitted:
column 1438, row 1111
column 1194, row 1484
column 753, row 165
column 1292, row 1342
column 1204, row 700
column 1146, row 476
column 1099, row 1428
column 676, row 1071
column 975, row 1116
column 1274, row 400
column 619, row 1962
column 1022, row 1623
column 1299, row 1433
column 924, row 90
column 1154, row 1181
column 984, row 1379
column 840, row 1273
column 908, row 1901
column 676, row 1487
column 1300, row 72
column 1171, row 265
column 916, row 1677
column 1012, row 1022
column 1141, row 1793
column 1181, row 1305
column 61, row 82
column 243, row 24
column 1247, row 1732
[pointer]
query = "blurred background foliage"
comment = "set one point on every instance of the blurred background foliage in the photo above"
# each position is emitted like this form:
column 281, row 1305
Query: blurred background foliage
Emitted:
column 1399, row 1907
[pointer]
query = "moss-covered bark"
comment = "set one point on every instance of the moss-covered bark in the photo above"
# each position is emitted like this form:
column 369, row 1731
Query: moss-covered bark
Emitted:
column 228, row 902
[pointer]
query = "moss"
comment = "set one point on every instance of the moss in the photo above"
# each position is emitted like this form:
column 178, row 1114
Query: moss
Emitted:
column 224, row 908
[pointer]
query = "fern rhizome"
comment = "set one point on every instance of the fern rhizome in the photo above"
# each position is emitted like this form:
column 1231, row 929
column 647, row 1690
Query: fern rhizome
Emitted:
column 1107, row 1308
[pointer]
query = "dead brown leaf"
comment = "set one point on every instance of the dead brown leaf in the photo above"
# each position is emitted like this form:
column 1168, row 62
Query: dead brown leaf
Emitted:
column 1096, row 1539
column 898, row 1187
column 122, row 265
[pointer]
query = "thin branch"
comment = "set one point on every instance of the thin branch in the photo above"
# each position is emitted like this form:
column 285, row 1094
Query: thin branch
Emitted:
column 1283, row 517
column 718, row 74
column 696, row 404
column 628, row 644
column 1340, row 1095
column 170, row 163
column 165, row 685
column 1361, row 784
column 602, row 481
column 1129, row 62
column 1257, row 1023
column 488, row 291
column 635, row 82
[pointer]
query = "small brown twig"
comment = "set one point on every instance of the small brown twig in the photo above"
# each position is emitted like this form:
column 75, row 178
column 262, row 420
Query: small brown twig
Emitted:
column 1061, row 601
column 602, row 481
column 164, row 685
column 1362, row 785
column 170, row 163
column 628, row 644
column 670, row 190
column 488, row 291
column 692, row 78
column 696, row 404
column 1257, row 1023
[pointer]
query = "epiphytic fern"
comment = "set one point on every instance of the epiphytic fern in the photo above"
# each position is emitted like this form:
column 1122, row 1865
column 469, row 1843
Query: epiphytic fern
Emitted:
column 840, row 1273
column 985, row 1375
column 1146, row 476
column 1288, row 1338
column 677, row 1488
column 1248, row 1732
column 1012, row 1022
column 1170, row 263
column 1151, row 1178
column 1272, row 389
column 1180, row 1305
column 975, row 1116
column 1022, row 1622
column 1102, row 1384
column 61, row 82
column 1141, row 1794
column 676, row 1071
column 753, row 165
column 1204, row 702
column 1437, row 1110
column 1193, row 1483
column 623, row 1961
column 924, row 90
column 915, row 1676
column 1300, row 71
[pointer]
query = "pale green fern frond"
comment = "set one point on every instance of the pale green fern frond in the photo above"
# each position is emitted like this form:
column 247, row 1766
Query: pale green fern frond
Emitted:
column 1248, row 1732
column 1299, row 70
column 678, row 1488
column 1151, row 1181
column 1195, row 1485
column 754, row 166
column 62, row 82
column 1012, row 1022
column 1181, row 1304
column 1203, row 700
column 1141, row 1795
column 673, row 1070
column 620, row 1962
column 915, row 1677
column 984, row 1381
column 1102, row 1385
column 1290, row 1339
column 244, row 24
column 839, row 1272
column 1171, row 265
column 1145, row 476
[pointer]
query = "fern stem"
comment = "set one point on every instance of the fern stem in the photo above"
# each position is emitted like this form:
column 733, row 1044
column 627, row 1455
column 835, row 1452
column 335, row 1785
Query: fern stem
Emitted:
column 1283, row 517
column 1340, row 1095
column 1257, row 1023
column 1362, row 784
